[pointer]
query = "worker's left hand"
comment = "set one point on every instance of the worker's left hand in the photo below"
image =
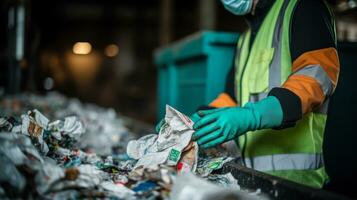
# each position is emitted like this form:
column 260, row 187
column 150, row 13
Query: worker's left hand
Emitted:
column 221, row 125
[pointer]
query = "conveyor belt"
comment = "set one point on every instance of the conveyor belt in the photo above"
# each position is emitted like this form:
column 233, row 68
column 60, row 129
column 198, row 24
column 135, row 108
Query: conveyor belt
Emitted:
column 275, row 187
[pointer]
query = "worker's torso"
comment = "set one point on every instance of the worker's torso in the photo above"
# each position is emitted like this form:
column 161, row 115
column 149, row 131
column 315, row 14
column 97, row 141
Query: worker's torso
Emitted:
column 294, row 153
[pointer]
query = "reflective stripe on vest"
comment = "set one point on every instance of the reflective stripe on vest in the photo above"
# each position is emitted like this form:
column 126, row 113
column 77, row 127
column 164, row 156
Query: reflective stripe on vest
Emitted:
column 275, row 66
column 257, row 97
column 286, row 162
column 316, row 72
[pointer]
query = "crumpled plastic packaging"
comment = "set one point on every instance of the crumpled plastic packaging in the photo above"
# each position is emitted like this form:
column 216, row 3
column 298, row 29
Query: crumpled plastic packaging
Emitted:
column 118, row 191
column 207, row 166
column 64, row 149
column 104, row 129
column 224, row 180
column 10, row 175
column 60, row 166
column 5, row 125
column 189, row 158
column 33, row 125
column 136, row 149
column 167, row 147
column 17, row 150
column 47, row 176
column 187, row 186
column 88, row 176
column 71, row 127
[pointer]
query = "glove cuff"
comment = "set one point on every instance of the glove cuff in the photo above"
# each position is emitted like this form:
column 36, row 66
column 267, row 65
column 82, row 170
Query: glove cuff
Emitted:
column 268, row 112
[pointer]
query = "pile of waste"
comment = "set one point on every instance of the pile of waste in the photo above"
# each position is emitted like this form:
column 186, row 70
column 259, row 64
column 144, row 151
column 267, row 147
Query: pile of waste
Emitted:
column 52, row 147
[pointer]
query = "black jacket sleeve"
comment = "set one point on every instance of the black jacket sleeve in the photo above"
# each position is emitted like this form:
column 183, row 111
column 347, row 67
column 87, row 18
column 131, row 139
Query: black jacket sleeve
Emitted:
column 311, row 29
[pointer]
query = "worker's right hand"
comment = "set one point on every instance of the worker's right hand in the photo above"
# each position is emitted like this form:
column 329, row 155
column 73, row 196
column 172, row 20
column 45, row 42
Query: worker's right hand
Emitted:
column 194, row 117
column 221, row 125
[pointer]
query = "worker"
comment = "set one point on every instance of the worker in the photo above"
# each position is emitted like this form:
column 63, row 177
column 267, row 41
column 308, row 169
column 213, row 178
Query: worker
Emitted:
column 276, row 97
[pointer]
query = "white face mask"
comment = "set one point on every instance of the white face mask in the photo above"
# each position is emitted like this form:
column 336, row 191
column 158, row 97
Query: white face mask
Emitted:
column 238, row 7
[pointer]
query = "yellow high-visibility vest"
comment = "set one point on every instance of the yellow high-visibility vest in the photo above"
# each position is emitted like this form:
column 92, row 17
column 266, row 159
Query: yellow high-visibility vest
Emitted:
column 293, row 153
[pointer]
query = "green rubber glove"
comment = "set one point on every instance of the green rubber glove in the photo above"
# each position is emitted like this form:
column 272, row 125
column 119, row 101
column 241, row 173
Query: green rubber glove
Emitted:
column 221, row 125
column 194, row 117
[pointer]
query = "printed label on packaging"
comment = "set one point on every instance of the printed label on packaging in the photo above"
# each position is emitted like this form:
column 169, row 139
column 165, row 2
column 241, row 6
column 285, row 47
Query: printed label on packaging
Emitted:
column 174, row 155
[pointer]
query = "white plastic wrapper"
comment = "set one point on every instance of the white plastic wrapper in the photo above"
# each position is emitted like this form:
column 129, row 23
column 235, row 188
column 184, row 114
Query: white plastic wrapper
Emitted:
column 47, row 176
column 10, row 175
column 168, row 146
column 71, row 126
column 14, row 151
column 87, row 176
column 15, row 146
column 137, row 148
column 190, row 187
column 119, row 191
column 224, row 180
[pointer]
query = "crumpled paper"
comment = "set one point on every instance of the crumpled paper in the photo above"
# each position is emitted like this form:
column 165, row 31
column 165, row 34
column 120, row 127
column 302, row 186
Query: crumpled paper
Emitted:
column 168, row 146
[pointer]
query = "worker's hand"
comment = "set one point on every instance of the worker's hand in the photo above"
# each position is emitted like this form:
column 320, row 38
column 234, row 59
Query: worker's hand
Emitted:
column 221, row 125
column 194, row 117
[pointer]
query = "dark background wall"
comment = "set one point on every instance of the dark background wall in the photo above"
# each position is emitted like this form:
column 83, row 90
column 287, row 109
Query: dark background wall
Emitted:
column 340, row 147
column 127, row 81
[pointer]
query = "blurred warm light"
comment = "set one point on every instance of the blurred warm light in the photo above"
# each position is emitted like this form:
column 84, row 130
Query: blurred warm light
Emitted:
column 82, row 48
column 83, row 69
column 111, row 50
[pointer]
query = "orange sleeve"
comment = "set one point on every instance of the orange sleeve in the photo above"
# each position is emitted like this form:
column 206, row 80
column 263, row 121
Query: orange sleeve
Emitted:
column 223, row 100
column 308, row 90
column 327, row 58
column 308, row 87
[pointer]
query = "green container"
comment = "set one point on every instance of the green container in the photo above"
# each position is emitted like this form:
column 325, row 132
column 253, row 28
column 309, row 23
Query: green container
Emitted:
column 192, row 71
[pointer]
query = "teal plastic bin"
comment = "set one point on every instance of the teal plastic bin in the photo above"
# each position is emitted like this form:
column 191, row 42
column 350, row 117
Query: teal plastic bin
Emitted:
column 192, row 71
